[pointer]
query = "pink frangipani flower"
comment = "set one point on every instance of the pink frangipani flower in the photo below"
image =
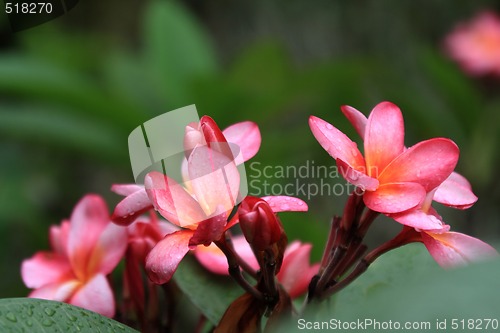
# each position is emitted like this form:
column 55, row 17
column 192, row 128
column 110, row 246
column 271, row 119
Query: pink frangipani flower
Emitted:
column 447, row 248
column 85, row 250
column 395, row 179
column 245, row 135
column 295, row 273
column 476, row 45
column 455, row 191
column 202, row 204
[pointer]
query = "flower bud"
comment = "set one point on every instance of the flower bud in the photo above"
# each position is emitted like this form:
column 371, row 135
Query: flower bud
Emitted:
column 260, row 226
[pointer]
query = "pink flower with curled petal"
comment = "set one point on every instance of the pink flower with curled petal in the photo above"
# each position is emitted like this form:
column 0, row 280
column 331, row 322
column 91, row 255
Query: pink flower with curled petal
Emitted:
column 476, row 45
column 85, row 250
column 395, row 179
column 447, row 248
column 245, row 135
column 295, row 273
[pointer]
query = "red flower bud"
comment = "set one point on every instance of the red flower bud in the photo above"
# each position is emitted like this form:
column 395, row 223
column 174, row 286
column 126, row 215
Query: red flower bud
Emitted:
column 260, row 226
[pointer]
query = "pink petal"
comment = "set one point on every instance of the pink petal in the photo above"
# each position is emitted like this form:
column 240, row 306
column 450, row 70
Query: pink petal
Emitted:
column 427, row 163
column 45, row 268
column 166, row 228
column 126, row 189
column 455, row 249
column 214, row 137
column 384, row 137
column 214, row 178
column 336, row 143
column 211, row 229
column 357, row 178
column 394, row 198
column 213, row 259
column 416, row 218
column 282, row 203
column 211, row 130
column 193, row 137
column 296, row 272
column 356, row 118
column 131, row 207
column 58, row 236
column 455, row 192
column 88, row 220
column 162, row 261
column 172, row 201
column 96, row 295
column 455, row 177
column 109, row 250
column 57, row 291
column 246, row 135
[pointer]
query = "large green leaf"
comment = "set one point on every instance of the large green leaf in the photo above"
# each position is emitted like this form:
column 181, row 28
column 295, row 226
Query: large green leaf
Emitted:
column 403, row 286
column 390, row 270
column 42, row 316
column 211, row 294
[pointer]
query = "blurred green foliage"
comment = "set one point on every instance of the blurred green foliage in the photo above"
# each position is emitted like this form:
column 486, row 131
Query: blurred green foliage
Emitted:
column 70, row 95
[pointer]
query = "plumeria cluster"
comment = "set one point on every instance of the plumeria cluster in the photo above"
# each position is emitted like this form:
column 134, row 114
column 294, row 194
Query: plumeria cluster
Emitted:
column 206, row 215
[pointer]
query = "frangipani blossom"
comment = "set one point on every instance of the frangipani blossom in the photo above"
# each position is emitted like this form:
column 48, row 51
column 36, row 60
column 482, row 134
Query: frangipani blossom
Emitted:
column 395, row 179
column 455, row 191
column 295, row 273
column 476, row 45
column 447, row 248
column 85, row 250
column 202, row 215
column 244, row 135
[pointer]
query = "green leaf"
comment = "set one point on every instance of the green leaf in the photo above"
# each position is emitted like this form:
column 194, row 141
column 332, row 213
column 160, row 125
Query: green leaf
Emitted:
column 390, row 270
column 176, row 51
column 402, row 286
column 210, row 293
column 437, row 294
column 63, row 129
column 36, row 315
column 36, row 80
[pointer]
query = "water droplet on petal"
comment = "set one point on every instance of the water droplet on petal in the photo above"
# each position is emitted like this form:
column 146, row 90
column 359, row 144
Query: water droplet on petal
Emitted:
column 328, row 126
column 300, row 203
column 285, row 207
